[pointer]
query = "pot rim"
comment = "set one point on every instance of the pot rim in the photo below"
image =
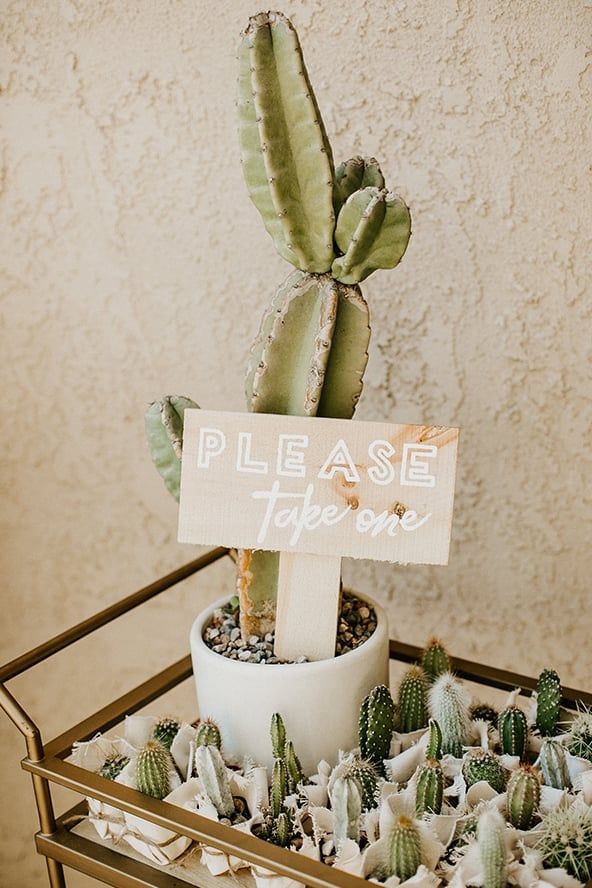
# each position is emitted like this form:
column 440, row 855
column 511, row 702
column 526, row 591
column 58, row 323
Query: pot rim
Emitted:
column 342, row 661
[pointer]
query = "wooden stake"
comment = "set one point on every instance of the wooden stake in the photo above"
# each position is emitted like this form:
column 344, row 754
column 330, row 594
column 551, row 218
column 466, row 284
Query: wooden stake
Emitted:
column 307, row 606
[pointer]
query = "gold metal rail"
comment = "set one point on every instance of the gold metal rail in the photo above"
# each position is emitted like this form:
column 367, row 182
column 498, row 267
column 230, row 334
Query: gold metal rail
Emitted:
column 61, row 847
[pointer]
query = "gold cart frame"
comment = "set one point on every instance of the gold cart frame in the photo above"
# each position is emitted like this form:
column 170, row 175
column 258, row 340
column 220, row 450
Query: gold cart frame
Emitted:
column 46, row 764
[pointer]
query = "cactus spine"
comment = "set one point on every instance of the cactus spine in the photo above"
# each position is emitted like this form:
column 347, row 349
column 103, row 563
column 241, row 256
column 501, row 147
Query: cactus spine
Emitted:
column 580, row 741
column 434, row 747
column 513, row 731
column 553, row 764
column 208, row 734
column 566, row 840
column 279, row 786
column 449, row 707
column 153, row 770
column 346, row 803
column 165, row 730
column 492, row 848
column 480, row 764
column 113, row 766
column 413, row 706
column 212, row 772
column 523, row 797
column 377, row 715
column 403, row 849
column 435, row 660
column 368, row 778
column 548, row 702
column 429, row 790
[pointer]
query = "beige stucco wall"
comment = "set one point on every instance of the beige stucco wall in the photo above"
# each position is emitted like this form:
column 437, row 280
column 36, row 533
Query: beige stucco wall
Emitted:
column 136, row 266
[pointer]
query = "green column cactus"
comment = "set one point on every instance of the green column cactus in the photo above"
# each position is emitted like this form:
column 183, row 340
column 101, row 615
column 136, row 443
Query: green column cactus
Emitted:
column 278, row 735
column 523, row 797
column 553, row 764
column 513, row 731
column 208, row 734
column 413, row 704
column 376, row 726
column 548, row 702
column 429, row 789
column 166, row 729
column 293, row 767
column 434, row 746
column 435, row 660
column 213, row 774
column 480, row 764
column 279, row 786
column 491, row 839
column 403, row 849
column 346, row 804
column 335, row 228
column 449, row 706
column 154, row 767
column 369, row 779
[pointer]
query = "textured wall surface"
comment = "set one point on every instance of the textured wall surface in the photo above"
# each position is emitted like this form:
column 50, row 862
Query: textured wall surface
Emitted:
column 136, row 266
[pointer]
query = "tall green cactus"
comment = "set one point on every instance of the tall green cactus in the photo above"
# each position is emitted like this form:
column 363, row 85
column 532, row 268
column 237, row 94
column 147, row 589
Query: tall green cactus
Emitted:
column 335, row 228
column 154, row 767
column 376, row 726
column 403, row 849
column 548, row 702
column 434, row 746
column 429, row 789
column 523, row 797
column 279, row 786
column 413, row 703
column 513, row 731
column 435, row 660
column 491, row 839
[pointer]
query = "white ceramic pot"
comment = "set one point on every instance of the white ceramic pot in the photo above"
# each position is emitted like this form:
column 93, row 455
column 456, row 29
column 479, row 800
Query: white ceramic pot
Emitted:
column 318, row 701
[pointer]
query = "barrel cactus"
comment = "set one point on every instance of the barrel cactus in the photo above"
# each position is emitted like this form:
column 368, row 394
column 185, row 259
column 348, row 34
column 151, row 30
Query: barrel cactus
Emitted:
column 154, row 768
column 480, row 764
column 335, row 227
column 523, row 797
column 580, row 740
column 413, row 704
column 166, row 729
column 208, row 734
column 553, row 763
column 565, row 840
column 376, row 726
column 113, row 766
column 403, row 854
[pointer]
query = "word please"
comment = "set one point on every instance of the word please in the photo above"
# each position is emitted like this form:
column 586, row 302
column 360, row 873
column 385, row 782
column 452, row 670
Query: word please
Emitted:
column 290, row 459
column 308, row 515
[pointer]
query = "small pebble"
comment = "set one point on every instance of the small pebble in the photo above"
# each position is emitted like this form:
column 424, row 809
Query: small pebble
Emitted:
column 213, row 633
column 253, row 640
column 244, row 655
column 364, row 613
column 235, row 634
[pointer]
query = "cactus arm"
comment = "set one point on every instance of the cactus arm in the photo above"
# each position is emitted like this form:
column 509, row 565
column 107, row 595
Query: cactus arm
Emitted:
column 163, row 425
column 344, row 373
column 352, row 175
column 373, row 230
column 211, row 771
column 292, row 182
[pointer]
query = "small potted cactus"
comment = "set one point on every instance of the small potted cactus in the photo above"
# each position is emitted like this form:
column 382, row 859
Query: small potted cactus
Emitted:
column 335, row 226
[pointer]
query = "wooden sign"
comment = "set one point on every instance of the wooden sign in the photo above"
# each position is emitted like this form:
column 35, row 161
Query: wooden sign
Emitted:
column 318, row 487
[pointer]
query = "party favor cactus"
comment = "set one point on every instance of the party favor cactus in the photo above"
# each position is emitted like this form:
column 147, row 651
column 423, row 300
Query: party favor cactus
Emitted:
column 212, row 772
column 376, row 726
column 513, row 731
column 580, row 742
column 492, row 848
column 154, row 767
column 293, row 767
column 413, row 704
column 523, row 797
column 548, row 702
column 429, row 788
column 449, row 706
column 368, row 778
column 113, row 766
column 434, row 745
column 553, row 763
column 403, row 849
column 346, row 804
column 480, row 764
column 166, row 729
column 208, row 734
column 565, row 840
column 435, row 660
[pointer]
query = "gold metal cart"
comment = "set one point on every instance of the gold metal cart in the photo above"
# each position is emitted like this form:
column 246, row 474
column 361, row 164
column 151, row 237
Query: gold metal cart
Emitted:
column 46, row 763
